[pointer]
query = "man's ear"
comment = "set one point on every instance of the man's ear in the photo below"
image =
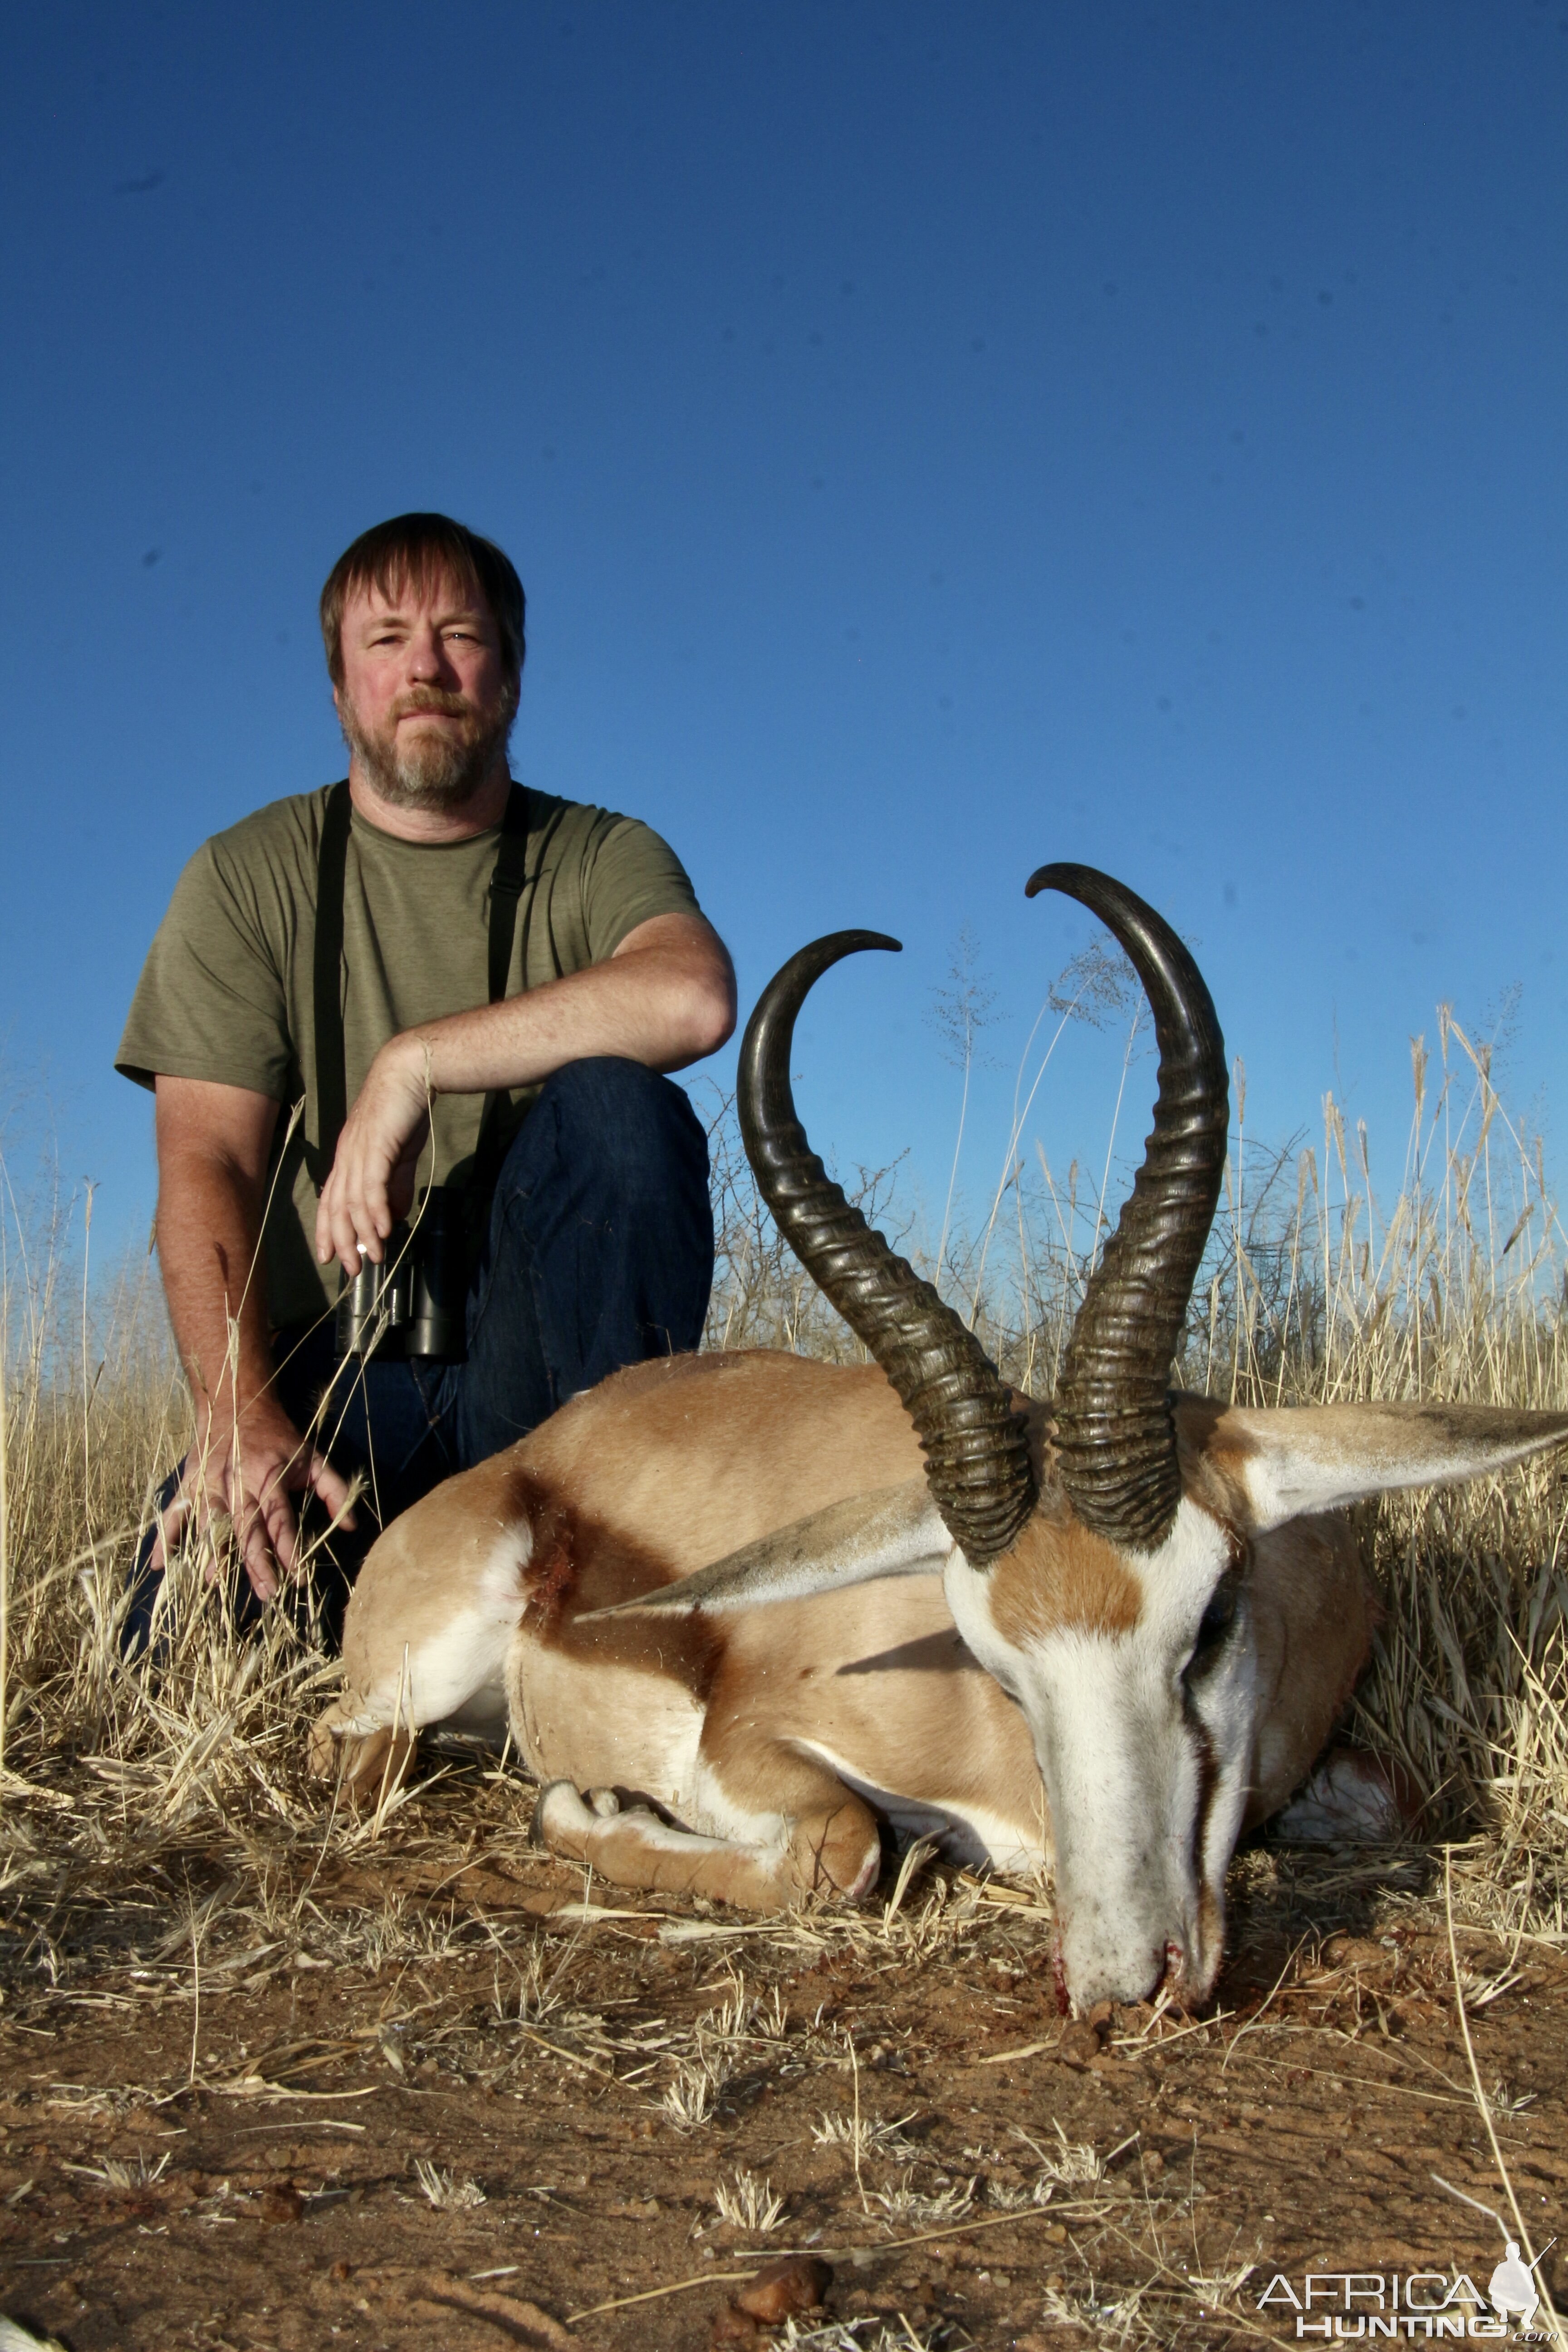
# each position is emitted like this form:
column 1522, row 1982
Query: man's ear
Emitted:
column 1275, row 1465
column 891, row 1531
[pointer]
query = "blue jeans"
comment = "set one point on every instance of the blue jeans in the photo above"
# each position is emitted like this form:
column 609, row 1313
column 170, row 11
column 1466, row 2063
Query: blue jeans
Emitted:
column 599, row 1254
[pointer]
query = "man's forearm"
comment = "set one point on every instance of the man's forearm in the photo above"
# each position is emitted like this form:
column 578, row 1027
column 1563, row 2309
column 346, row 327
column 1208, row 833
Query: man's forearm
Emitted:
column 249, row 1460
column 664, row 998
column 663, row 1005
column 209, row 1247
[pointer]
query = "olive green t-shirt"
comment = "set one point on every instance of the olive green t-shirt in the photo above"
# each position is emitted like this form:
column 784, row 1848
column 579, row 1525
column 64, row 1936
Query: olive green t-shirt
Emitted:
column 227, row 990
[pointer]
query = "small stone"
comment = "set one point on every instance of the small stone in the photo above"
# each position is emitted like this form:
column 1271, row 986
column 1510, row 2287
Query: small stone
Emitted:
column 795, row 2283
column 733, row 2327
column 1077, row 2045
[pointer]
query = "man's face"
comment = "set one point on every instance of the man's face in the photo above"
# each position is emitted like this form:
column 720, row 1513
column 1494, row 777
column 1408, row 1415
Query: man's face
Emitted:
column 425, row 702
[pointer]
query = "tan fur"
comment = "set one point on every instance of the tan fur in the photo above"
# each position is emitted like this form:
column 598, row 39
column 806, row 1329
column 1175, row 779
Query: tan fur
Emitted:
column 1056, row 1575
column 640, row 1452
column 1211, row 1450
column 857, row 1674
column 761, row 1713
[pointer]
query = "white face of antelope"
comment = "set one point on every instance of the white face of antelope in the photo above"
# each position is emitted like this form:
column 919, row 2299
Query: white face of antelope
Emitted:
column 1136, row 1674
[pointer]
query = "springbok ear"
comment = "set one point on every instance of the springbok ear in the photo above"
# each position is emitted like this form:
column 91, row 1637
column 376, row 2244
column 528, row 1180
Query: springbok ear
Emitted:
column 891, row 1531
column 1302, row 1458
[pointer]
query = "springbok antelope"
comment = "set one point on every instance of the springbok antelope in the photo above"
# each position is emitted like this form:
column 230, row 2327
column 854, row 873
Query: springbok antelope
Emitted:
column 1122, row 1628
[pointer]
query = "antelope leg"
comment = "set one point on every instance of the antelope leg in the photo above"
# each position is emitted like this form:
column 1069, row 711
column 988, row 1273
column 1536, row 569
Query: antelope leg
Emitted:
column 827, row 1843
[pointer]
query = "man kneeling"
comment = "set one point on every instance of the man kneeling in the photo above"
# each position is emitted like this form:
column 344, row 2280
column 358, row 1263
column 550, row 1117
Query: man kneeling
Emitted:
column 471, row 991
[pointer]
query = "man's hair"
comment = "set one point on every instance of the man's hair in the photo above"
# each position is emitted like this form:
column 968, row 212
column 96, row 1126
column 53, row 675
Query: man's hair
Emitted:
column 413, row 549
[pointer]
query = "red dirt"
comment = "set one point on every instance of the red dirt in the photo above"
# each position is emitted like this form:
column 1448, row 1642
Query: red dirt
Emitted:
column 282, row 2117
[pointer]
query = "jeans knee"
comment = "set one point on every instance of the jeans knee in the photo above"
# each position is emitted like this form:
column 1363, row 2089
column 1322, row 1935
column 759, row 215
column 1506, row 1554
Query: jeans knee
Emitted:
column 633, row 1127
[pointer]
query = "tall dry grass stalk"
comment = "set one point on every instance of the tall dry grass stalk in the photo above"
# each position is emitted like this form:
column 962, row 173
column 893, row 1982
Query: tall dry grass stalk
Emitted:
column 1313, row 1288
column 91, row 1401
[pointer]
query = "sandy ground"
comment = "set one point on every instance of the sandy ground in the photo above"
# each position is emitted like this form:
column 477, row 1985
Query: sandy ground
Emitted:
column 439, row 2093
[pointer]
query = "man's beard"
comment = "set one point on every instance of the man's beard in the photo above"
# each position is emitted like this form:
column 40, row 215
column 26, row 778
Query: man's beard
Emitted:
column 439, row 769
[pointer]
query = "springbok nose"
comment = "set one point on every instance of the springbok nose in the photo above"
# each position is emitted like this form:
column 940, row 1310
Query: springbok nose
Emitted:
column 1162, row 1971
column 1085, row 1978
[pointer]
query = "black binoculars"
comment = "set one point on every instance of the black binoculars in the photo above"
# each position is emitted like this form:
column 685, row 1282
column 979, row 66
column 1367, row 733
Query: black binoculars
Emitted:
column 415, row 1302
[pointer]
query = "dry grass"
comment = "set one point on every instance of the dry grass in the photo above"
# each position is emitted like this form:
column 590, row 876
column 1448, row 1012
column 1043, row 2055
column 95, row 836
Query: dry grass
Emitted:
column 444, row 2190
column 1312, row 1289
column 748, row 2203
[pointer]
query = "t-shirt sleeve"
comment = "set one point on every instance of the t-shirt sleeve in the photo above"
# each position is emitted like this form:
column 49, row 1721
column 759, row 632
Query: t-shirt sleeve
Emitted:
column 211, row 1001
column 629, row 875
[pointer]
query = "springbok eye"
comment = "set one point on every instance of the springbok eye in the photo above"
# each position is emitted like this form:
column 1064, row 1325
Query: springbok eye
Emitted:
column 1216, row 1621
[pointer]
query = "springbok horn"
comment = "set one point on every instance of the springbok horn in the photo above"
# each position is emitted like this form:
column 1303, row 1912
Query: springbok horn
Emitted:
column 977, row 1456
column 1115, row 1441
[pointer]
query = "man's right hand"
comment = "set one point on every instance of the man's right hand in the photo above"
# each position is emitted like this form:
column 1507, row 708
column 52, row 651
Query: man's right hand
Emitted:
column 249, row 1461
column 249, row 1476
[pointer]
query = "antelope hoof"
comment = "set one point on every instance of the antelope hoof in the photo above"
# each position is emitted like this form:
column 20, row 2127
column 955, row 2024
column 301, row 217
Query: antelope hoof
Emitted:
column 563, row 1823
column 371, row 1764
column 321, row 1752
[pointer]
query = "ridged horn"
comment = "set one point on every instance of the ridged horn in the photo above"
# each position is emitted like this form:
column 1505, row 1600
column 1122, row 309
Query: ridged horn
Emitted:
column 1115, row 1441
column 977, row 1456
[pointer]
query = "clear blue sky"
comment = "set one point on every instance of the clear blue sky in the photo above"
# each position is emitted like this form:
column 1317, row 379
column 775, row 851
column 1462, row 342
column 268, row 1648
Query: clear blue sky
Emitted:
column 935, row 439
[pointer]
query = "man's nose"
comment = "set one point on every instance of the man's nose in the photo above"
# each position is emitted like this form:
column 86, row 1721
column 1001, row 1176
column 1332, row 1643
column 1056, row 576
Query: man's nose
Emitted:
column 428, row 656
